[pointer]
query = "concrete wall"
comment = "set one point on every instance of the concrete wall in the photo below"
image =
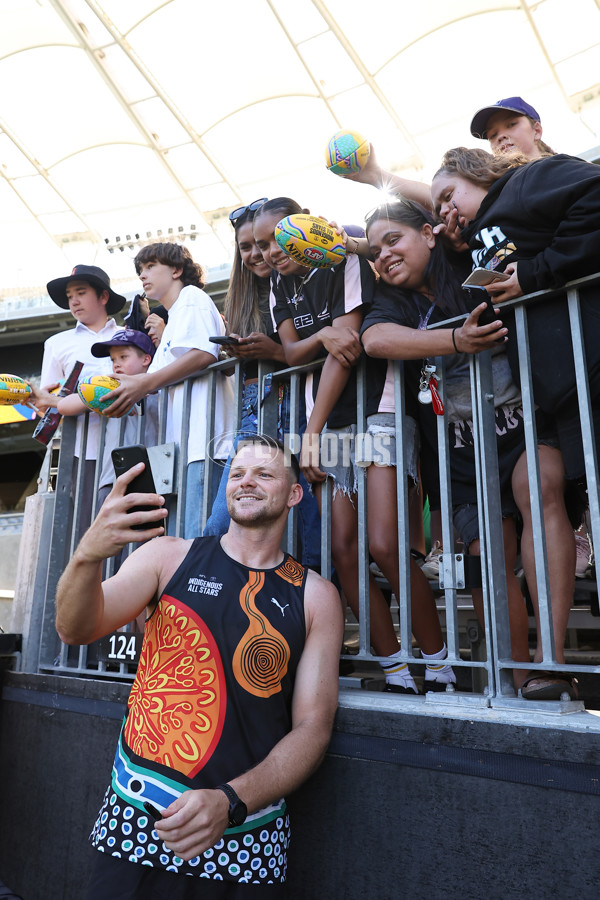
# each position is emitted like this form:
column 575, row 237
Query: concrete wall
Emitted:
column 405, row 805
column 10, row 539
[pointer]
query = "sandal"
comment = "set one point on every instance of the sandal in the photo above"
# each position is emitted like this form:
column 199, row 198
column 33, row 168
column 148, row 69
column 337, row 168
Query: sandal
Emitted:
column 542, row 685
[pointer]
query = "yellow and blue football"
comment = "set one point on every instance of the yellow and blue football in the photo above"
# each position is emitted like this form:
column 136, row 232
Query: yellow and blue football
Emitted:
column 93, row 388
column 13, row 390
column 310, row 241
column 347, row 153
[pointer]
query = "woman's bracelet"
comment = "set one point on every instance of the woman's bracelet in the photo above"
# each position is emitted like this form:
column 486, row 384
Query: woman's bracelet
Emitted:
column 454, row 340
column 355, row 248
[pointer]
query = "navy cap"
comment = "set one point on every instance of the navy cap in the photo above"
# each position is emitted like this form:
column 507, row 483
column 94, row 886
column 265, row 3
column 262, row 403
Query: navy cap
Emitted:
column 127, row 338
column 511, row 104
column 354, row 230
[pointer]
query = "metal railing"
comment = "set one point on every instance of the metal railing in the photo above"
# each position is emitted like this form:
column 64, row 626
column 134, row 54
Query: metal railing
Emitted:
column 480, row 650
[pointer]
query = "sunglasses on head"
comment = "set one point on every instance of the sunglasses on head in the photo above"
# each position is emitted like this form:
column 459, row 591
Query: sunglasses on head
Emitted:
column 242, row 210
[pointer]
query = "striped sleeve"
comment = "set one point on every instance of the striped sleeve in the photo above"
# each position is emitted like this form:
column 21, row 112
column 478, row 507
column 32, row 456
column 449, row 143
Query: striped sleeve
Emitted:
column 353, row 286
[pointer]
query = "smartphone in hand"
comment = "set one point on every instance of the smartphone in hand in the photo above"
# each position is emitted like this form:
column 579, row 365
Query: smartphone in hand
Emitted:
column 474, row 296
column 480, row 277
column 123, row 459
column 225, row 339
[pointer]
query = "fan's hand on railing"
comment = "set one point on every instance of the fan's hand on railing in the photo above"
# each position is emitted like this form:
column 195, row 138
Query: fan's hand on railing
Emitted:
column 343, row 343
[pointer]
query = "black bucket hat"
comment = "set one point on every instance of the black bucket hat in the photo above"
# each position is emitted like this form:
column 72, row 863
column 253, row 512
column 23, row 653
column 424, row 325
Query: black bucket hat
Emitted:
column 94, row 275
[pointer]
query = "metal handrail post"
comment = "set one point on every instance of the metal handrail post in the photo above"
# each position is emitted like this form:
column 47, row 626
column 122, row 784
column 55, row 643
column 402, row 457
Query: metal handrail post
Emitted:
column 493, row 572
column 535, row 488
column 404, row 600
column 364, row 606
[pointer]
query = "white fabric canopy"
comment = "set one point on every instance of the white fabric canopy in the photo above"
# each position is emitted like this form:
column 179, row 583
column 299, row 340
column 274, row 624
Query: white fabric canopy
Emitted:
column 128, row 118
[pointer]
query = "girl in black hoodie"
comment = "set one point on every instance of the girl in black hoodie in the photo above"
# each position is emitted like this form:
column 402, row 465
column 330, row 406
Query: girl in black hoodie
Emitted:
column 538, row 221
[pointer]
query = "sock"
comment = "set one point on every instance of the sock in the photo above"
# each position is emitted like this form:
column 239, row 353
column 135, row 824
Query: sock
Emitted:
column 397, row 673
column 439, row 672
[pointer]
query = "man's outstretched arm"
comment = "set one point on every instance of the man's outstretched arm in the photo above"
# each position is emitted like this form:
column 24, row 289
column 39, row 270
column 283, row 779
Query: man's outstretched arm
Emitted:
column 197, row 819
column 87, row 608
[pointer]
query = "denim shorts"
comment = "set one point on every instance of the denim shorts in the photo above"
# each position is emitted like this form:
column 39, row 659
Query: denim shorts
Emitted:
column 377, row 446
column 337, row 460
column 466, row 519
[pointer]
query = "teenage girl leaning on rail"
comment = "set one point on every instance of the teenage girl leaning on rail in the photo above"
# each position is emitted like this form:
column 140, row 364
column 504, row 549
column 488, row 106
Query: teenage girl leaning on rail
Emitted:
column 511, row 126
column 248, row 316
column 248, row 320
column 539, row 221
column 318, row 312
column 417, row 287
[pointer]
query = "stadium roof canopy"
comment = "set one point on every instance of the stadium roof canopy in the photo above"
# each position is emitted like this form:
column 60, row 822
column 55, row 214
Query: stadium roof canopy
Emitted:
column 125, row 118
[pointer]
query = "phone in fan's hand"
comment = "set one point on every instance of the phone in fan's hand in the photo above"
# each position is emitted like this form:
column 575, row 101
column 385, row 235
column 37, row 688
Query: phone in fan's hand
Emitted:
column 123, row 459
column 474, row 296
column 225, row 339
column 480, row 277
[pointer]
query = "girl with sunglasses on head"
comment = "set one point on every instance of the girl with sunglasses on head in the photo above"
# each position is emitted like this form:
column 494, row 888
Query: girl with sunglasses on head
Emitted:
column 248, row 317
column 247, row 310
column 418, row 287
column 318, row 313
column 539, row 222
column 247, row 313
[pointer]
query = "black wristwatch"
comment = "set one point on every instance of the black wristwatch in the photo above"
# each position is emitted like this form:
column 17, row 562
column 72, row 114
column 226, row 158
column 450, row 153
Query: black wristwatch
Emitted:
column 237, row 808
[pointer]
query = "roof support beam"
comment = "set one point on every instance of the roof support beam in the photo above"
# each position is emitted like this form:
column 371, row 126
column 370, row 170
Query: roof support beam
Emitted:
column 33, row 162
column 149, row 138
column 370, row 81
column 528, row 15
column 318, row 87
column 161, row 94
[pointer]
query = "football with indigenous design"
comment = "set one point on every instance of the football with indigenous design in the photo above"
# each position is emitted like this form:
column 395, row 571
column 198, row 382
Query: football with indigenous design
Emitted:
column 13, row 390
column 92, row 390
column 310, row 241
column 347, row 153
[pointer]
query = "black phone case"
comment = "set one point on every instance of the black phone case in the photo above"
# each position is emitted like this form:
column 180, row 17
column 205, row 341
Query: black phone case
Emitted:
column 474, row 296
column 225, row 340
column 123, row 459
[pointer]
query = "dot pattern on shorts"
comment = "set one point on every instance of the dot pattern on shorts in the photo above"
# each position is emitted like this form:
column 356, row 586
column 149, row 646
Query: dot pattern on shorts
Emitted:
column 258, row 856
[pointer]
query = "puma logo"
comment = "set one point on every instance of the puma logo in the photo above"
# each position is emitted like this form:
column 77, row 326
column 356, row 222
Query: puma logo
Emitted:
column 279, row 606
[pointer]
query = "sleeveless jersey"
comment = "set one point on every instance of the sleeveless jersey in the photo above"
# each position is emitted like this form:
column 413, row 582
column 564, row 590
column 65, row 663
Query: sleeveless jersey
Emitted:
column 211, row 697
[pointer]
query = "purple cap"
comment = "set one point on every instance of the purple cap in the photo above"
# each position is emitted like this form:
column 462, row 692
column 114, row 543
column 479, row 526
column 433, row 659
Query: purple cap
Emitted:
column 511, row 104
column 354, row 230
column 127, row 338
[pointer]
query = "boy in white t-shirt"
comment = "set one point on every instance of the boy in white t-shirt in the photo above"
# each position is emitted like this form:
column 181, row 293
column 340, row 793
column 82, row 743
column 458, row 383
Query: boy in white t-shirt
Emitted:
column 170, row 276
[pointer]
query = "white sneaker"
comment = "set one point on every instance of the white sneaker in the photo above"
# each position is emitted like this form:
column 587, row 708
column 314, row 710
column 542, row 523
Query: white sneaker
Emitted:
column 437, row 677
column 585, row 554
column 431, row 566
